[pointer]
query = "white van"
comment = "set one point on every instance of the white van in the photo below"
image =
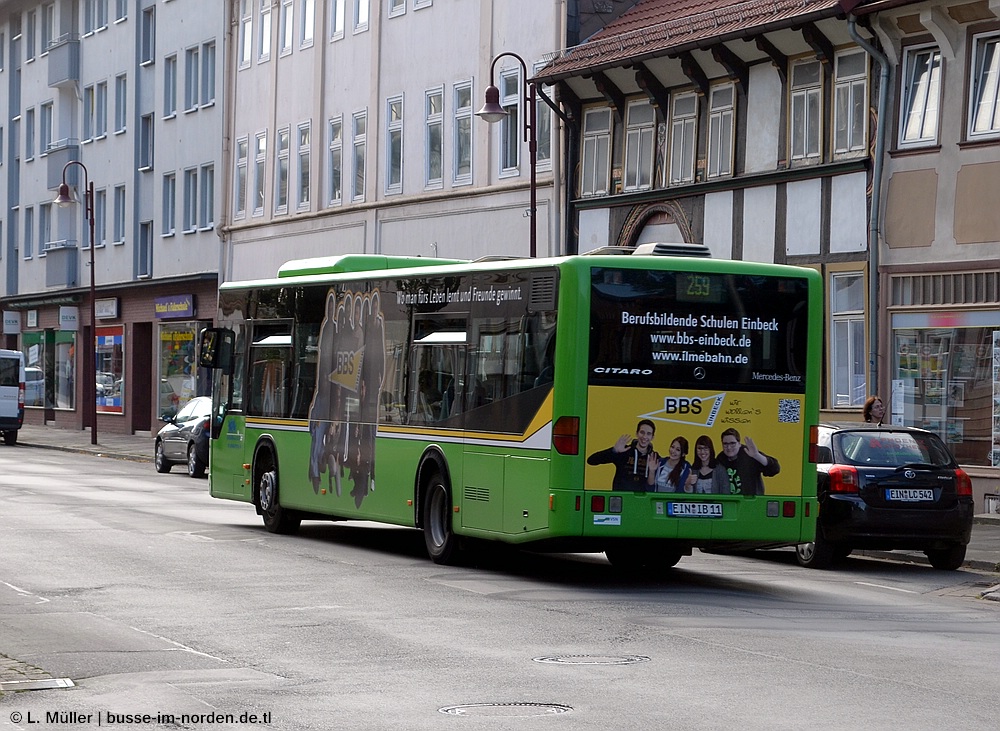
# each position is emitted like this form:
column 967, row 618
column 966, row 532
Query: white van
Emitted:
column 11, row 394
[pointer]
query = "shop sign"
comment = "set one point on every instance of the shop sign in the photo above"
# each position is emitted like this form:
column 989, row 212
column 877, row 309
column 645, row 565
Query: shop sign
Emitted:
column 69, row 318
column 106, row 309
column 11, row 322
column 179, row 305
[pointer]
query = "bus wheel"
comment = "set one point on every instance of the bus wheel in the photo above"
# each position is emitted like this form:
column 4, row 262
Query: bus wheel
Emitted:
column 816, row 555
column 442, row 544
column 276, row 518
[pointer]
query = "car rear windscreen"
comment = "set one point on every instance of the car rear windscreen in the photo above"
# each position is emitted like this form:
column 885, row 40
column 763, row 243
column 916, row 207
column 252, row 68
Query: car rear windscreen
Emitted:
column 10, row 372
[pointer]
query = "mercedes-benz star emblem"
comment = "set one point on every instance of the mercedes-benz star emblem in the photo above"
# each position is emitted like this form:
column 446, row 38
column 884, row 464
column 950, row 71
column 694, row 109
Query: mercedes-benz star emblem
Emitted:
column 699, row 373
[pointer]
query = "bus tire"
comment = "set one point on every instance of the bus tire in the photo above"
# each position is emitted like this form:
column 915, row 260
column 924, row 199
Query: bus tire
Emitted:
column 276, row 518
column 442, row 544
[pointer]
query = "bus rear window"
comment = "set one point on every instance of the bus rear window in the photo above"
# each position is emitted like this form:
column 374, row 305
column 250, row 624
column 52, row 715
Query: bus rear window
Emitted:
column 698, row 329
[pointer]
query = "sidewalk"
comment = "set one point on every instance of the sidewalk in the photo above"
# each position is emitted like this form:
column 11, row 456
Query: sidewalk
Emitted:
column 983, row 553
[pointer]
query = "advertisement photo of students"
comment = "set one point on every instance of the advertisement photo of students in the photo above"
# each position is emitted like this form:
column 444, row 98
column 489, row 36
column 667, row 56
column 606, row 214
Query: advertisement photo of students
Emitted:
column 724, row 460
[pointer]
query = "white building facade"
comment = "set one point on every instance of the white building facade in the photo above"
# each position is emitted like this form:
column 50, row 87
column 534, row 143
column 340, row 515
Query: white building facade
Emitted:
column 124, row 95
column 353, row 130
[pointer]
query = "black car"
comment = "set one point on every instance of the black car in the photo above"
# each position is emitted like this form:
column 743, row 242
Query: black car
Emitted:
column 184, row 437
column 887, row 488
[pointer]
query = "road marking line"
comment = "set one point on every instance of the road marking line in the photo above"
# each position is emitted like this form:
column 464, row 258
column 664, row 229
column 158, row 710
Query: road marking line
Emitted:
column 883, row 586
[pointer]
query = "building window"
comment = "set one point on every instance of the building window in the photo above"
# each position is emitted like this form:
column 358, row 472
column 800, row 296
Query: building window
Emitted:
column 336, row 19
column 29, row 134
column 984, row 114
column 88, row 113
column 361, row 15
column 596, row 152
column 303, row 150
column 721, row 108
column 144, row 263
column 146, row 142
column 121, row 10
column 208, row 74
column 462, row 170
column 101, row 217
column 246, row 33
column 396, row 7
column 240, row 184
column 510, row 125
column 417, row 4
column 285, row 28
column 121, row 100
column 683, row 136
column 307, row 24
column 30, row 33
column 44, row 225
column 847, row 341
column 394, row 145
column 281, row 171
column 850, row 103
column 359, row 141
column 190, row 200
column 543, row 126
column 29, row 233
column 264, row 33
column 169, row 206
column 259, row 160
column 921, row 96
column 101, row 118
column 119, row 228
column 170, row 86
column 640, row 136
column 44, row 127
column 95, row 15
column 206, row 209
column 807, row 108
column 192, row 79
column 335, row 161
column 147, row 44
column 433, row 137
column 48, row 25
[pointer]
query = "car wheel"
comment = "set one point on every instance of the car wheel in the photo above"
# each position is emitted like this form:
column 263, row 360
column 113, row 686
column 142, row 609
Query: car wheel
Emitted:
column 10, row 437
column 442, row 544
column 195, row 467
column 276, row 518
column 947, row 559
column 160, row 460
column 816, row 555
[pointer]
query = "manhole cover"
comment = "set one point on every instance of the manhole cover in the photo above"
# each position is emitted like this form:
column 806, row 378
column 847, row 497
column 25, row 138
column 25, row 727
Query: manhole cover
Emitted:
column 592, row 659
column 506, row 710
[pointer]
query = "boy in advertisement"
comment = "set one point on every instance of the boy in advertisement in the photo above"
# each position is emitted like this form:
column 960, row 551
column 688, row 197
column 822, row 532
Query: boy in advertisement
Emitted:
column 745, row 465
column 630, row 458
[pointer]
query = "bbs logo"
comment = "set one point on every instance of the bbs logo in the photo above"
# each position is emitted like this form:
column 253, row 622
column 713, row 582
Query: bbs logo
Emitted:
column 681, row 405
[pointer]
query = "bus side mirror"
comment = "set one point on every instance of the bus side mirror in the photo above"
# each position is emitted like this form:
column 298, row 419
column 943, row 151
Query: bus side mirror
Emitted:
column 216, row 349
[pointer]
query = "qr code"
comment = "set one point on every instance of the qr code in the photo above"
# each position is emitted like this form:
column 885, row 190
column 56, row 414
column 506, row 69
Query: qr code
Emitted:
column 789, row 410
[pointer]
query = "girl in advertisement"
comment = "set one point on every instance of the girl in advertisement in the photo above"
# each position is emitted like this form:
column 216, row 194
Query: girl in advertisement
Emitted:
column 707, row 475
column 670, row 474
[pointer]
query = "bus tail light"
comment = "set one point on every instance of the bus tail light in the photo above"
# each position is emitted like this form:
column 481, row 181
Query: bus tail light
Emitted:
column 597, row 503
column 963, row 483
column 566, row 435
column 843, row 479
column 814, row 443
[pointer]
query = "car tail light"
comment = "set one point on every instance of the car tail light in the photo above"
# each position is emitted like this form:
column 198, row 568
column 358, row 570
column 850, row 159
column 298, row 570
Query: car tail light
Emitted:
column 566, row 435
column 963, row 483
column 20, row 394
column 843, row 479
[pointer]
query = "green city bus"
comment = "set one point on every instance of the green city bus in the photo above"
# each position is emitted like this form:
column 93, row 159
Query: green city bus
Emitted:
column 514, row 400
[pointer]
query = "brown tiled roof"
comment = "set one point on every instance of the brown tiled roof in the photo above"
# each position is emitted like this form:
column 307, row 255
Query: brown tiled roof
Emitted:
column 656, row 27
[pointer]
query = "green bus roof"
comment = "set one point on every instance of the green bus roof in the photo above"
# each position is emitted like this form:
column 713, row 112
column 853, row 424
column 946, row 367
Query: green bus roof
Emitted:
column 357, row 263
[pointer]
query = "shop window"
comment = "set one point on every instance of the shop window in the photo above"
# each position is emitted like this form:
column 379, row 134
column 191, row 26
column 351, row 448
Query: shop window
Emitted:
column 109, row 357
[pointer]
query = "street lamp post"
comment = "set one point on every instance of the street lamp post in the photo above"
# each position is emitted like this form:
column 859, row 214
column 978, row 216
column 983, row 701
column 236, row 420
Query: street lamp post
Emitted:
column 63, row 200
column 492, row 112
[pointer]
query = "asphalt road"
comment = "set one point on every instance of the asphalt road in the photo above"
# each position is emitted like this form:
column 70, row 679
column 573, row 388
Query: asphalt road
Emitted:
column 156, row 599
